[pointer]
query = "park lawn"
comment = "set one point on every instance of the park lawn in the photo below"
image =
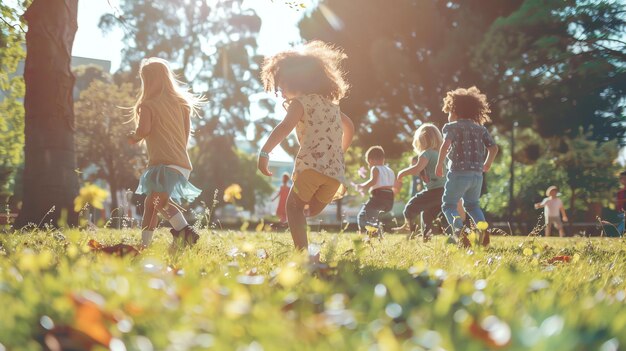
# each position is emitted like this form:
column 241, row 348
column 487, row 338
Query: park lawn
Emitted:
column 249, row 291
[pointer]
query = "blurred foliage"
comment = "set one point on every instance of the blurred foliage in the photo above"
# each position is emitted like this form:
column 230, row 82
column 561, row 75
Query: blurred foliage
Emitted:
column 101, row 136
column 211, row 46
column 559, row 66
column 554, row 66
column 218, row 164
column 584, row 170
column 12, row 37
column 237, row 290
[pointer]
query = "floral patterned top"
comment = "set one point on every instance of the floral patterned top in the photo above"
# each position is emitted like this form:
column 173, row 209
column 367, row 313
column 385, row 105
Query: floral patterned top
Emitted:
column 320, row 134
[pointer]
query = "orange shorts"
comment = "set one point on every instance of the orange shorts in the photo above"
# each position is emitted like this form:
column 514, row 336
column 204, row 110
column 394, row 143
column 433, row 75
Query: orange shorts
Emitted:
column 310, row 183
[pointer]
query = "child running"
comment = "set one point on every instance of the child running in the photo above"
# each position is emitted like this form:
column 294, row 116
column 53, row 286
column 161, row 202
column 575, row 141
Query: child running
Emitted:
column 553, row 209
column 465, row 143
column 281, row 195
column 380, row 186
column 312, row 84
column 162, row 116
column 427, row 203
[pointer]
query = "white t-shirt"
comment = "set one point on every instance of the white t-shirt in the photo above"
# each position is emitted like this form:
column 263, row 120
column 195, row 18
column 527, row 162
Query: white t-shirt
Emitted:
column 551, row 207
column 386, row 177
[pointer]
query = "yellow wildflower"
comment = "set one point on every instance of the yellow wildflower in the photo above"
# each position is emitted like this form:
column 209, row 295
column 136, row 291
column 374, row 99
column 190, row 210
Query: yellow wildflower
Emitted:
column 90, row 194
column 232, row 193
column 482, row 225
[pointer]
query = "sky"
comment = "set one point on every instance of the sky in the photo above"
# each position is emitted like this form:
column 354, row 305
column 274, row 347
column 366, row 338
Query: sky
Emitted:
column 278, row 29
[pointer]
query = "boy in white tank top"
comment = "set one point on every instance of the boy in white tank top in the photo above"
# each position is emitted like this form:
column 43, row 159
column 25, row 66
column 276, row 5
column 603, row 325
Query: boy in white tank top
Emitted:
column 380, row 186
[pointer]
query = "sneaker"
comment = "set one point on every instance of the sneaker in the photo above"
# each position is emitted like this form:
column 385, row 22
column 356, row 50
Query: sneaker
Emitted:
column 187, row 236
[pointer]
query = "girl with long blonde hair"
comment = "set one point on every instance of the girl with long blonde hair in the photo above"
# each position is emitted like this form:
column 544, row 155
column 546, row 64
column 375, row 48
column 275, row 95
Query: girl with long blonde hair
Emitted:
column 427, row 203
column 162, row 116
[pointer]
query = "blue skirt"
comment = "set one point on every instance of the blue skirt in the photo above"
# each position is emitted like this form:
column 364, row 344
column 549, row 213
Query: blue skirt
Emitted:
column 163, row 179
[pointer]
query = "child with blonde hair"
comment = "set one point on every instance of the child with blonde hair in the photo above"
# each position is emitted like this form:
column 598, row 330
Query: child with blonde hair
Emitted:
column 470, row 150
column 427, row 203
column 312, row 84
column 162, row 118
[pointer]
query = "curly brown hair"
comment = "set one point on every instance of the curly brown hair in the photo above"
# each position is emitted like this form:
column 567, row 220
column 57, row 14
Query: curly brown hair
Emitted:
column 316, row 69
column 468, row 104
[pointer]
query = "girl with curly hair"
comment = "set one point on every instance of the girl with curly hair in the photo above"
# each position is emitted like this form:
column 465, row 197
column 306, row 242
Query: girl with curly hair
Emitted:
column 312, row 83
column 470, row 151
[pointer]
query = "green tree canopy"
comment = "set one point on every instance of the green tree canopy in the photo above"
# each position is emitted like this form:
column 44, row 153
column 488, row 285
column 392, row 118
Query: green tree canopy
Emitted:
column 559, row 66
column 12, row 37
column 211, row 46
column 554, row 65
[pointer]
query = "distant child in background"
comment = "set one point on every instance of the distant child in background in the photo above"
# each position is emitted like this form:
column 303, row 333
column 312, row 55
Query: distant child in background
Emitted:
column 283, row 192
column 553, row 209
column 311, row 81
column 380, row 186
column 162, row 115
column 470, row 151
column 620, row 203
column 427, row 203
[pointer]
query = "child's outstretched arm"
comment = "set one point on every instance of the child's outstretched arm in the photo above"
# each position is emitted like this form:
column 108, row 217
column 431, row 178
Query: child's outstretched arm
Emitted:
column 348, row 132
column 143, row 127
column 541, row 204
column 373, row 179
column 492, row 151
column 280, row 132
column 443, row 152
column 415, row 169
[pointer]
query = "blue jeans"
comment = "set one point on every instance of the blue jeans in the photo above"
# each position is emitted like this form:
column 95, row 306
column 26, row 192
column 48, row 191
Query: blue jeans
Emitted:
column 464, row 185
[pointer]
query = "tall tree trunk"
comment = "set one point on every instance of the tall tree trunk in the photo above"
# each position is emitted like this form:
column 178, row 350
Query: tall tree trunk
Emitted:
column 50, row 180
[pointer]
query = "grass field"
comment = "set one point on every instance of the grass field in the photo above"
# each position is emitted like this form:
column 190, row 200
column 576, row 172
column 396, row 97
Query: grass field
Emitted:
column 249, row 291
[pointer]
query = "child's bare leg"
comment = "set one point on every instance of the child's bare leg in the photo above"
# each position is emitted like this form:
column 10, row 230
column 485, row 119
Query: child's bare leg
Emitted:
column 149, row 220
column 165, row 207
column 316, row 207
column 171, row 212
column 548, row 229
column 561, row 231
column 148, row 214
column 297, row 220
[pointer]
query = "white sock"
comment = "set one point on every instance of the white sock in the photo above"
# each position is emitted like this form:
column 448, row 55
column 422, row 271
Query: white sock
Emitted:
column 146, row 237
column 178, row 222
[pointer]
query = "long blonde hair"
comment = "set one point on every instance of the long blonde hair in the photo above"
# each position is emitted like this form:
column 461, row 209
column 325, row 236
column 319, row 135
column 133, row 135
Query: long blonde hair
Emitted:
column 427, row 136
column 157, row 79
